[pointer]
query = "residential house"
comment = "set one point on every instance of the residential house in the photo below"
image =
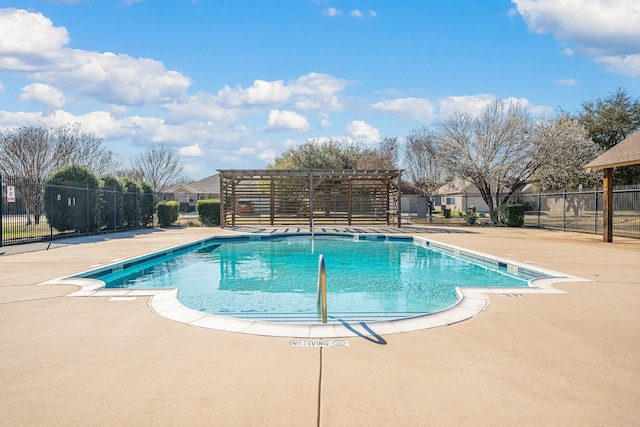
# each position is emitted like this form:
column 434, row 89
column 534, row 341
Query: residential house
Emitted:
column 189, row 194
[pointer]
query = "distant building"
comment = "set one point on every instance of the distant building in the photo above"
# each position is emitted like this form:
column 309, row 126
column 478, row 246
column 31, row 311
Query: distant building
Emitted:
column 459, row 194
column 189, row 194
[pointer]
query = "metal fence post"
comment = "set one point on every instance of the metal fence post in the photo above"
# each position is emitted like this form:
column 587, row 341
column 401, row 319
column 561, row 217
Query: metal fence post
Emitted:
column 595, row 211
column 115, row 210
column 1, row 205
column 50, row 184
column 564, row 207
column 539, row 207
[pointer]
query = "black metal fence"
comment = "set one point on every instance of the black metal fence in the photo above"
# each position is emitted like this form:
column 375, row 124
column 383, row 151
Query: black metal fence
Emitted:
column 29, row 207
column 581, row 210
column 570, row 210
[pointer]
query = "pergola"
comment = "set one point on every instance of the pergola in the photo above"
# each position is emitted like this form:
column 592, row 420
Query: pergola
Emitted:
column 625, row 153
column 309, row 196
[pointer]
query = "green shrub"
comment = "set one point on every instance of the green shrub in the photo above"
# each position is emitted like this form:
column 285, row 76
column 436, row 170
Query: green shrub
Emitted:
column 511, row 215
column 470, row 215
column 209, row 211
column 72, row 200
column 112, row 209
column 147, row 205
column 132, row 203
column 167, row 212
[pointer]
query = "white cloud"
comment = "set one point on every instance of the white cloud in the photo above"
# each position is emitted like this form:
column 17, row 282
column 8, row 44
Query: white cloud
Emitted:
column 608, row 30
column 431, row 112
column 1, row 86
column 408, row 108
column 373, row 14
column 363, row 132
column 628, row 65
column 191, row 151
column 566, row 82
column 313, row 91
column 29, row 43
column 203, row 106
column 317, row 91
column 471, row 104
column 260, row 93
column 41, row 94
column 25, row 33
column 286, row 120
column 356, row 13
column 324, row 120
column 332, row 11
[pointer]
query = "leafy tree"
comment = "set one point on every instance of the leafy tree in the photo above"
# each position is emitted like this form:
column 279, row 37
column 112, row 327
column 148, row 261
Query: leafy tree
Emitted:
column 495, row 150
column 608, row 121
column 425, row 170
column 73, row 200
column 318, row 155
column 159, row 165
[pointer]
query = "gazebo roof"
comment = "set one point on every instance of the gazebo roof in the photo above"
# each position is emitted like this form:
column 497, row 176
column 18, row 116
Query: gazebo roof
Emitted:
column 625, row 153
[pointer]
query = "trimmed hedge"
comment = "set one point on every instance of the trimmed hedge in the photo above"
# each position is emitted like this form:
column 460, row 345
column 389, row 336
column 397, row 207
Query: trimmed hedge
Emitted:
column 167, row 212
column 132, row 203
column 73, row 200
column 512, row 215
column 147, row 204
column 209, row 211
column 112, row 209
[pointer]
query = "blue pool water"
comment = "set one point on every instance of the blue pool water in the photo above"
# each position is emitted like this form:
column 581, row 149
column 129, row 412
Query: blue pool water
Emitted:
column 276, row 279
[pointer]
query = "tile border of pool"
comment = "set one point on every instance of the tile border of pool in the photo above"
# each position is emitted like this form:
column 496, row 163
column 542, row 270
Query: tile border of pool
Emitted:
column 472, row 301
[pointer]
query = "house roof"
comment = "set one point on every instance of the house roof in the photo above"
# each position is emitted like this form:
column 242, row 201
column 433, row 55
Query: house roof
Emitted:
column 624, row 153
column 457, row 186
column 209, row 185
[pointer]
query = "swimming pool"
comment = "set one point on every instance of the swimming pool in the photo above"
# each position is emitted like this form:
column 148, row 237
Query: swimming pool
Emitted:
column 369, row 278
column 164, row 302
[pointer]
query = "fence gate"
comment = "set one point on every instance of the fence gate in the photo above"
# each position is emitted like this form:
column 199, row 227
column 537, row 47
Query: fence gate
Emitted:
column 21, row 213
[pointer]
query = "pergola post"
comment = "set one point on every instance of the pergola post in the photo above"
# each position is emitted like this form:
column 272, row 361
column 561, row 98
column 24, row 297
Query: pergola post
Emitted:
column 607, row 208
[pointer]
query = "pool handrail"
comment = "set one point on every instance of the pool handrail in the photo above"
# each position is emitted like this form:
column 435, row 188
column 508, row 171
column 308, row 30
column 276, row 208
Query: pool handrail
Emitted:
column 322, row 288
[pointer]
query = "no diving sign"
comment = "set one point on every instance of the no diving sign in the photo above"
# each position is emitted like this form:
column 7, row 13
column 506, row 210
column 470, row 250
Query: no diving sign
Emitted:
column 319, row 343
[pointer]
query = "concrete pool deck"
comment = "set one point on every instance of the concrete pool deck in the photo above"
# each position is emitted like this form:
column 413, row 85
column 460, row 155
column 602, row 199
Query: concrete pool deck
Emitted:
column 541, row 359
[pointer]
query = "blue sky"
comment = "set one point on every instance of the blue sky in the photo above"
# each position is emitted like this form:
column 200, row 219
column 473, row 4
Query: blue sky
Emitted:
column 232, row 84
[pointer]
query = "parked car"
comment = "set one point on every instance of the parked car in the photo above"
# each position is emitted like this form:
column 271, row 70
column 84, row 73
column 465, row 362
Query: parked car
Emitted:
column 244, row 206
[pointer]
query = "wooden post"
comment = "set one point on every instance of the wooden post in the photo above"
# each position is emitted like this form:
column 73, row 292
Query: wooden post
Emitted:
column 607, row 208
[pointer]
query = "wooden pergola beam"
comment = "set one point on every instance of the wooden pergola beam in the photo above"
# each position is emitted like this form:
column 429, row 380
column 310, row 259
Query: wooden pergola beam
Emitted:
column 607, row 209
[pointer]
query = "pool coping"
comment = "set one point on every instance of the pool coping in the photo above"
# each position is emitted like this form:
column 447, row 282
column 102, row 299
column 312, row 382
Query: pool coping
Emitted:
column 472, row 300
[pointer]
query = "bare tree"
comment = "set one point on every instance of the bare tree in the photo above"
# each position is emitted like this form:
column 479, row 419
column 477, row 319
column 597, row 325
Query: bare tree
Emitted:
column 495, row 151
column 425, row 170
column 32, row 153
column 384, row 155
column 159, row 165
